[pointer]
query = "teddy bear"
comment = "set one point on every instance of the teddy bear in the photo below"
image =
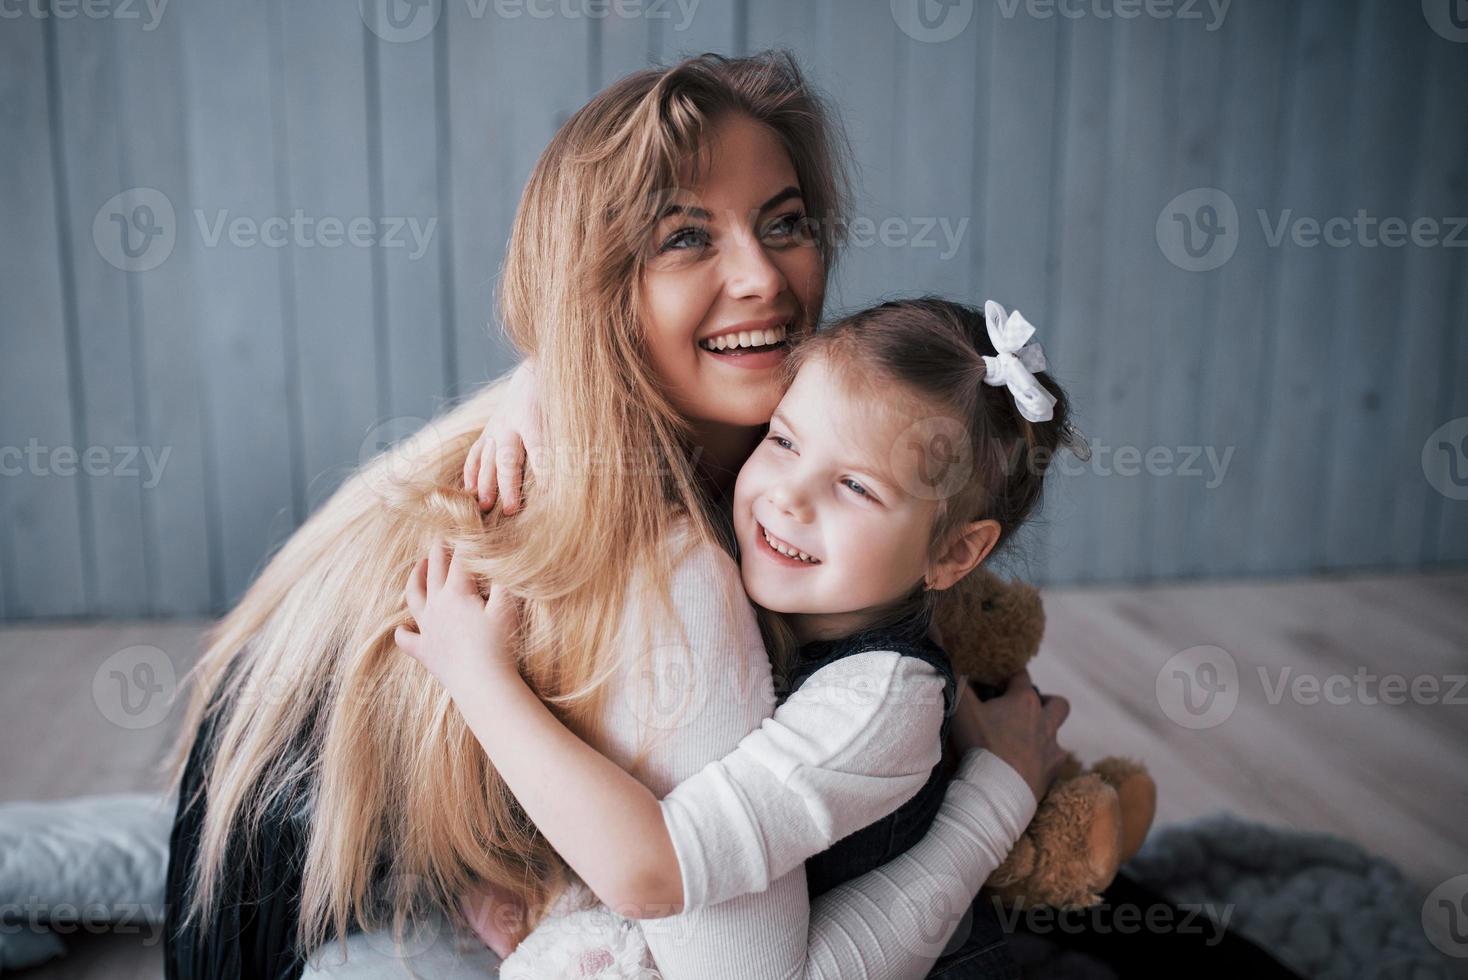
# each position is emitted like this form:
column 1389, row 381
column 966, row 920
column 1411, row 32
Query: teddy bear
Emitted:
column 1090, row 821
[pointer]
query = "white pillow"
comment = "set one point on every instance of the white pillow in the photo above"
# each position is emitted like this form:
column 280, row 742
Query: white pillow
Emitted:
column 85, row 862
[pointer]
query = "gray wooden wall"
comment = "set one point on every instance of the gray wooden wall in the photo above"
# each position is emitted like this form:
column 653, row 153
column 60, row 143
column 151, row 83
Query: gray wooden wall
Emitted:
column 1050, row 141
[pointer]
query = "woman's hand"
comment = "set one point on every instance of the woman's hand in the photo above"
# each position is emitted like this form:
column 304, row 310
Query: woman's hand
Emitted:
column 461, row 637
column 495, row 465
column 1018, row 726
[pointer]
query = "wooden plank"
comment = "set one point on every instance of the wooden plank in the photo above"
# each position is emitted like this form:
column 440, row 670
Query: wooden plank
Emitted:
column 1363, row 779
column 1136, row 152
column 1181, row 299
column 495, row 140
column 683, row 31
column 1427, row 526
column 869, row 103
column 622, row 45
column 795, row 26
column 408, row 150
column 1083, row 262
column 1237, row 323
column 43, row 545
column 110, row 428
column 1291, row 448
column 91, row 732
column 940, row 132
column 1366, row 339
column 253, row 430
column 1015, row 206
column 1450, row 543
column 182, row 537
column 322, row 115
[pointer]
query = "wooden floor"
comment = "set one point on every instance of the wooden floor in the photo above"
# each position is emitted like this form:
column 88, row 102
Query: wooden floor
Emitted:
column 1392, row 777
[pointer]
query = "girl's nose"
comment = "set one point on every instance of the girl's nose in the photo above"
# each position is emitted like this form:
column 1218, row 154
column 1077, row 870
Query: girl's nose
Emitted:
column 791, row 501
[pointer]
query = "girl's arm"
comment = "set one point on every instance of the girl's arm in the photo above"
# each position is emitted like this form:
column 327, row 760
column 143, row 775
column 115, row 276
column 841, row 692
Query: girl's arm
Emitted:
column 495, row 465
column 888, row 923
column 599, row 818
column 846, row 749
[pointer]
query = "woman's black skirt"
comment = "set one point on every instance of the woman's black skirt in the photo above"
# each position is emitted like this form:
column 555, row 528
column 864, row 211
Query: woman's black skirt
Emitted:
column 251, row 933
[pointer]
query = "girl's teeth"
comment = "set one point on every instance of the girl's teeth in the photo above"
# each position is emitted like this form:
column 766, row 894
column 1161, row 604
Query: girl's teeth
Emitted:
column 789, row 552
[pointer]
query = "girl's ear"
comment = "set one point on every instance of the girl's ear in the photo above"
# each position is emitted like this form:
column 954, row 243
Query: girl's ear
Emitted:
column 969, row 547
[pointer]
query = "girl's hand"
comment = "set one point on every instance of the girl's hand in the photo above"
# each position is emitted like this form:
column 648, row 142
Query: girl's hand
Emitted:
column 495, row 464
column 460, row 637
column 1019, row 727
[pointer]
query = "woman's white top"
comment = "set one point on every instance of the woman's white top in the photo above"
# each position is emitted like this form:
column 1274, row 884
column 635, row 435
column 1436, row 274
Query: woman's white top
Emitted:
column 749, row 793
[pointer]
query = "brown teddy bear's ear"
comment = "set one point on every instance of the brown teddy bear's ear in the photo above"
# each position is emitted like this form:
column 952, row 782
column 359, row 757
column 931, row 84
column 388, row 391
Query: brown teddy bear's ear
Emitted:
column 991, row 626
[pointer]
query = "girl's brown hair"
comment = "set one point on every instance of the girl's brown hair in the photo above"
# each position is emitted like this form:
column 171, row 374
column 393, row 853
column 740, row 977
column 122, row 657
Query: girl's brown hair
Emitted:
column 933, row 349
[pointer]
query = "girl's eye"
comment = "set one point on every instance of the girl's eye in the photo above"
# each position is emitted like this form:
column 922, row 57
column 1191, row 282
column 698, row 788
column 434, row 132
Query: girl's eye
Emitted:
column 780, row 441
column 684, row 238
column 856, row 488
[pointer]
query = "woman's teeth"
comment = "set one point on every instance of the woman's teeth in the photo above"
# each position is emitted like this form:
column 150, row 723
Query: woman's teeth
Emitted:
column 745, row 338
column 786, row 550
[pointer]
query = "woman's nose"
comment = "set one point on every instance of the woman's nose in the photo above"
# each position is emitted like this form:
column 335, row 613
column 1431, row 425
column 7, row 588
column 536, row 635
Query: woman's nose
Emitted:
column 749, row 273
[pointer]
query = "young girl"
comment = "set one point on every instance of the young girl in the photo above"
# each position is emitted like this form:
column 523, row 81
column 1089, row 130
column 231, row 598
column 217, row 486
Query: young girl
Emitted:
column 911, row 441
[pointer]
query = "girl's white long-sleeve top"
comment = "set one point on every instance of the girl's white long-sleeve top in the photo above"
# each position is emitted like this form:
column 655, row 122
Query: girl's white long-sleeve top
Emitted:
column 749, row 793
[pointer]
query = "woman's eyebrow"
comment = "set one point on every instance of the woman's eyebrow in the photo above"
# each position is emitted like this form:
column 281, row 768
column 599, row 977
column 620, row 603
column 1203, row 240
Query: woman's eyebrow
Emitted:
column 780, row 198
column 673, row 209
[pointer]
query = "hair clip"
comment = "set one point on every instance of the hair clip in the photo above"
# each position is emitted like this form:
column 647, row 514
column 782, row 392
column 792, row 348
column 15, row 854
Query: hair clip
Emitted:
column 1016, row 361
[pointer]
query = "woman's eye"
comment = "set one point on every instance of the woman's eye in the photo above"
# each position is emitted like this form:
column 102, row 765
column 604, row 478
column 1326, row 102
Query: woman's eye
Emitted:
column 684, row 238
column 788, row 225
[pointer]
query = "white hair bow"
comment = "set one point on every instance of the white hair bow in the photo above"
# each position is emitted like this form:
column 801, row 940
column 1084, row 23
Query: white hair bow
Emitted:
column 1016, row 362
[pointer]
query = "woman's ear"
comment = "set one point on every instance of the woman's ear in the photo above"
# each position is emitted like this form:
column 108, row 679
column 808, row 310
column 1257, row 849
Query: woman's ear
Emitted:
column 970, row 546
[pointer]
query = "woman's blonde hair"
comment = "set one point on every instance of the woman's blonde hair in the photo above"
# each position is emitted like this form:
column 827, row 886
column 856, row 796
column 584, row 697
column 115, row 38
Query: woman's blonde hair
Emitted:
column 301, row 684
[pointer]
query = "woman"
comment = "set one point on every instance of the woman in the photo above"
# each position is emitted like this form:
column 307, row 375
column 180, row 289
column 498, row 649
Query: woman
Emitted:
column 327, row 784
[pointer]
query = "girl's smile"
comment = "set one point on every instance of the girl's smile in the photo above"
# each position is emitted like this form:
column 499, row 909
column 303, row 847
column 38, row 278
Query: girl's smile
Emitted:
column 782, row 552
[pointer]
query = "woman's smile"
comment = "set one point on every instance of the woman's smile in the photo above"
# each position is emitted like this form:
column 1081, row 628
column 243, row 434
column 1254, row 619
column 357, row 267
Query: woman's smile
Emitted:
column 753, row 344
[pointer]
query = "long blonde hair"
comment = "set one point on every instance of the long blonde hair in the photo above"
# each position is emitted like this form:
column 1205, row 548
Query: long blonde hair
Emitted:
column 301, row 683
